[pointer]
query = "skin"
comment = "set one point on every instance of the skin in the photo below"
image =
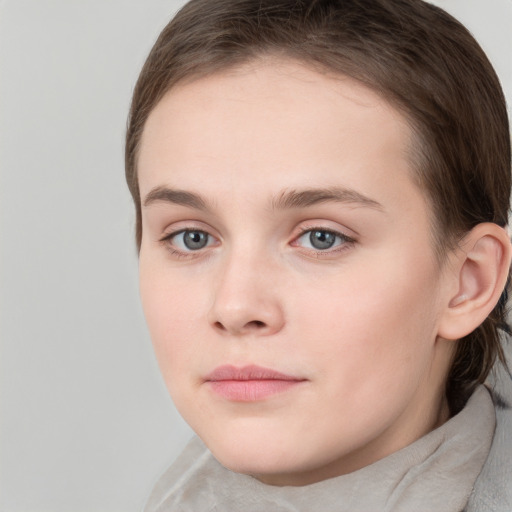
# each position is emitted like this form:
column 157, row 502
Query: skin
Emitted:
column 357, row 323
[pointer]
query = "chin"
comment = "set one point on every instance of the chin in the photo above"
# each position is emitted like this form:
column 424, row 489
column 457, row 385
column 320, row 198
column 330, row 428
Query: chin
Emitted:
column 265, row 467
column 271, row 460
column 252, row 458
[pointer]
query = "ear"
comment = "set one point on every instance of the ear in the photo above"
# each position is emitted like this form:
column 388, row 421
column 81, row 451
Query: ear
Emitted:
column 481, row 266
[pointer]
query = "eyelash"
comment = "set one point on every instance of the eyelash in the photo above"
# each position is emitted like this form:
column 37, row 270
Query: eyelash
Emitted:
column 346, row 242
column 166, row 241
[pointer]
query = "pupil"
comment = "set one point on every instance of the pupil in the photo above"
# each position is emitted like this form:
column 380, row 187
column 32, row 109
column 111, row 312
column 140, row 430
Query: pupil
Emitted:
column 195, row 240
column 322, row 239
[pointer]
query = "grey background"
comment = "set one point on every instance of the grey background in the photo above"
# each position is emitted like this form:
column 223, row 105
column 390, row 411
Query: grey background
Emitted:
column 86, row 423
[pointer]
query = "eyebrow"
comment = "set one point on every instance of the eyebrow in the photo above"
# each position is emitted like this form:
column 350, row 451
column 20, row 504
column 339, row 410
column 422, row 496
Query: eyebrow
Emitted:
column 288, row 199
column 181, row 197
column 309, row 197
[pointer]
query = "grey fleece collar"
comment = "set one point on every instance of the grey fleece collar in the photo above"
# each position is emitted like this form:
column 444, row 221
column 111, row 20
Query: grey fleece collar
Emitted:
column 493, row 488
column 435, row 473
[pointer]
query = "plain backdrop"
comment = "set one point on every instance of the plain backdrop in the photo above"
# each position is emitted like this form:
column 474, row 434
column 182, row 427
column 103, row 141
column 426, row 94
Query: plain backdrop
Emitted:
column 86, row 423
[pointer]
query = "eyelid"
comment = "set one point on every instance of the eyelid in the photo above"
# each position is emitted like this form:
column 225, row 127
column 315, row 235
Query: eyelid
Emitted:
column 324, row 225
column 346, row 240
column 183, row 227
column 174, row 228
column 335, row 231
column 172, row 234
column 191, row 226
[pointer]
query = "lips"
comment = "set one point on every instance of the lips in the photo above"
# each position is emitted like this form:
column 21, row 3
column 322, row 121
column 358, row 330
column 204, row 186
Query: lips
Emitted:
column 249, row 383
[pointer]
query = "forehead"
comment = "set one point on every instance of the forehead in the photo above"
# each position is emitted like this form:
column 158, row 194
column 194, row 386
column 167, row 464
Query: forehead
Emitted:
column 274, row 124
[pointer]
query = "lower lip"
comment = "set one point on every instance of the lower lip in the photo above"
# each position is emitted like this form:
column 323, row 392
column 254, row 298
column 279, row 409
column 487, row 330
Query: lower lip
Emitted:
column 251, row 390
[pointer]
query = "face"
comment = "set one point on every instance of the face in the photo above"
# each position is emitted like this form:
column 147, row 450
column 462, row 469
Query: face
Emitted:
column 287, row 272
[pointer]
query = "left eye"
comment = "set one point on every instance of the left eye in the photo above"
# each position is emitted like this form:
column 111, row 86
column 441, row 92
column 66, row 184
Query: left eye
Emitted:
column 321, row 239
column 191, row 240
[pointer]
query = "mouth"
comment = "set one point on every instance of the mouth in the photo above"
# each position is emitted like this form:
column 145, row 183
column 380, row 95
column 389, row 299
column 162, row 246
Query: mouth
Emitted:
column 249, row 383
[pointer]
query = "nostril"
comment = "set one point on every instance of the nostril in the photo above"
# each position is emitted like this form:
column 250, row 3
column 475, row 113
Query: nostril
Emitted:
column 219, row 326
column 249, row 326
column 257, row 324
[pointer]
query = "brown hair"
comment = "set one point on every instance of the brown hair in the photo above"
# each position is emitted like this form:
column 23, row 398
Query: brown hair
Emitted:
column 416, row 56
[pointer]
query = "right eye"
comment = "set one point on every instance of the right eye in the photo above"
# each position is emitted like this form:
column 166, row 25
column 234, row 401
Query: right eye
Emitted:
column 189, row 240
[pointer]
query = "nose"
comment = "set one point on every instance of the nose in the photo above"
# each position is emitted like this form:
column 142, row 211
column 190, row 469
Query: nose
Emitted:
column 246, row 300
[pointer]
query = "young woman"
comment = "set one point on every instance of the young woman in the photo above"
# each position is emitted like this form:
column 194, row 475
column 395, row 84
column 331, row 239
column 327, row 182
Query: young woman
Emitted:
column 322, row 189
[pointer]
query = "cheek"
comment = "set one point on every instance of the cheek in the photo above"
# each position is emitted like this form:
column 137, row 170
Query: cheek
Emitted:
column 377, row 325
column 171, row 309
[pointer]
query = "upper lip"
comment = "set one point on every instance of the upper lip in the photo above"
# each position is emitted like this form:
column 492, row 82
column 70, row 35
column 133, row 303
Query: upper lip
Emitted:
column 250, row 372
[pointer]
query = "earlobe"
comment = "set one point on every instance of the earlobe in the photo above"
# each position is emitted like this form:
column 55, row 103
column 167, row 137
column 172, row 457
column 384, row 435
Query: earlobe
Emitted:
column 482, row 267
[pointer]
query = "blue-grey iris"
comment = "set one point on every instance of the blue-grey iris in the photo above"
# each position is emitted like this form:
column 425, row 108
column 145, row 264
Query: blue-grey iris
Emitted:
column 195, row 240
column 322, row 239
